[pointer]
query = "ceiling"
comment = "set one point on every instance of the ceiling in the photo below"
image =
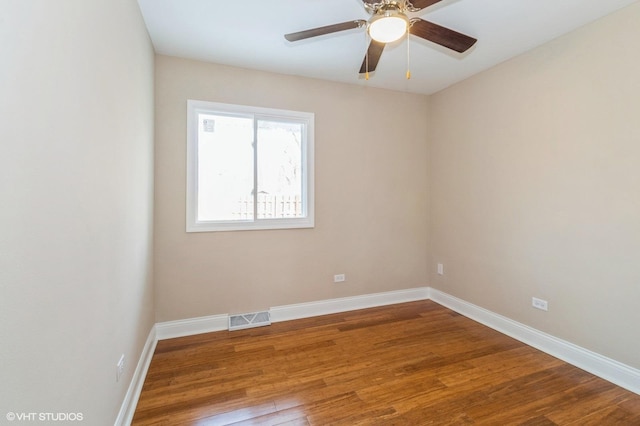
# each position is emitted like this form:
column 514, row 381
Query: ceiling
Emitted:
column 250, row 34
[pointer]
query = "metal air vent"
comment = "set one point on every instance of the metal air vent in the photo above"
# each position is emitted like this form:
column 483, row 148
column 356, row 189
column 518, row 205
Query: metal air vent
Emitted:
column 249, row 320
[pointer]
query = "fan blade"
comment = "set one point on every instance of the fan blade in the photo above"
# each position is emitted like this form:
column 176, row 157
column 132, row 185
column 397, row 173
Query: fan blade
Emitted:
column 314, row 32
column 373, row 56
column 421, row 4
column 443, row 36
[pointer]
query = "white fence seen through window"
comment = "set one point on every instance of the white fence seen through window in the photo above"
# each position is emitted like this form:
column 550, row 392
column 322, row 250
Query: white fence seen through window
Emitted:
column 270, row 207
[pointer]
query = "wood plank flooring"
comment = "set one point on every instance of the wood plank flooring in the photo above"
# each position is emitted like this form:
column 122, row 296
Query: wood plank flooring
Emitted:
column 409, row 364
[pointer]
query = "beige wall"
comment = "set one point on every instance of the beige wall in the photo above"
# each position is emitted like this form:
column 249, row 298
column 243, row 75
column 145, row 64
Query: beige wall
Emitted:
column 76, row 186
column 371, row 200
column 535, row 187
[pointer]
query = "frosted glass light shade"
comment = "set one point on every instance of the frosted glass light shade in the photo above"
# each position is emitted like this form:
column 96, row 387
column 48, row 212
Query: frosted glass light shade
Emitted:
column 388, row 28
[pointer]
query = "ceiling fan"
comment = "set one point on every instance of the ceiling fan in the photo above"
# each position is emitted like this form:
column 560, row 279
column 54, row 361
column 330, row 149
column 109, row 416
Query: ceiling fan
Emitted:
column 388, row 23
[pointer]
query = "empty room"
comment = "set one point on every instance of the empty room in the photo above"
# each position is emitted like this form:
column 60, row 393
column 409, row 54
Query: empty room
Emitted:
column 309, row 213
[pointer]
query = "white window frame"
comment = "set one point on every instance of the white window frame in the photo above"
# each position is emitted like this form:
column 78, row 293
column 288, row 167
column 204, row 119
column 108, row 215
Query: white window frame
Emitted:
column 195, row 107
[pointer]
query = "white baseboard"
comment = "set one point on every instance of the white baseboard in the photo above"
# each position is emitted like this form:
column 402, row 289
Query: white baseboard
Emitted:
column 345, row 304
column 128, row 408
column 601, row 366
column 191, row 326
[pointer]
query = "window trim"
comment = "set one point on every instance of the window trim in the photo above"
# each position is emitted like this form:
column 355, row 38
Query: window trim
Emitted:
column 194, row 107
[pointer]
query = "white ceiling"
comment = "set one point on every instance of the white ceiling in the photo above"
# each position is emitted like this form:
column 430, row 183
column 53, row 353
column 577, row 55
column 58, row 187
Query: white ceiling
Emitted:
column 249, row 34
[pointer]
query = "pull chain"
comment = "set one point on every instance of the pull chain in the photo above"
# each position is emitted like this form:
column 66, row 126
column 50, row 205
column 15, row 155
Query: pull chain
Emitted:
column 366, row 55
column 408, row 56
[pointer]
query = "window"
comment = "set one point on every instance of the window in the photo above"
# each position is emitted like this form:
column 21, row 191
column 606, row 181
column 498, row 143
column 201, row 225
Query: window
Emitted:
column 248, row 168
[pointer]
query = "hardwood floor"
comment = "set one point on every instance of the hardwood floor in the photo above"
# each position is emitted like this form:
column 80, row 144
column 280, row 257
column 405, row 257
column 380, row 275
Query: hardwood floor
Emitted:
column 409, row 364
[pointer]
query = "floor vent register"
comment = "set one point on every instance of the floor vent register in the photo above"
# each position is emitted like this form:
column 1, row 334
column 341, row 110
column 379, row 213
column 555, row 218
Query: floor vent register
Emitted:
column 253, row 319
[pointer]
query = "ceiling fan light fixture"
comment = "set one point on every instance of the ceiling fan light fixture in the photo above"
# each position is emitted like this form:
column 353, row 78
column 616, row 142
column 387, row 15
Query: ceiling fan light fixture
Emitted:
column 388, row 27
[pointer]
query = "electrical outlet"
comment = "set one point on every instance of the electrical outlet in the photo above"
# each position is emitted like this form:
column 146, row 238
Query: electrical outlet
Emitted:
column 120, row 368
column 440, row 269
column 539, row 304
column 339, row 278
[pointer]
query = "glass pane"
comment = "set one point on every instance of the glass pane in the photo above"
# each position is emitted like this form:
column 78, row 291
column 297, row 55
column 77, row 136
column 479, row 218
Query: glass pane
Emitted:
column 279, row 170
column 225, row 167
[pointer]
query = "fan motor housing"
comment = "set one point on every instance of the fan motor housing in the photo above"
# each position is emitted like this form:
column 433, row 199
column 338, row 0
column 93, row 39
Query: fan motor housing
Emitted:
column 380, row 6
